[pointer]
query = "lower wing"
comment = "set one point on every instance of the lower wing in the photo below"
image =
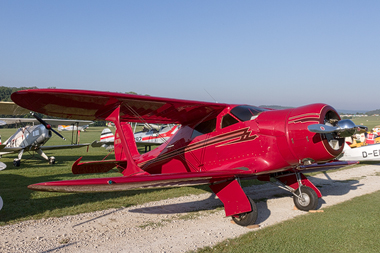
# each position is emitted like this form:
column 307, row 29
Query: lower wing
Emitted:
column 64, row 146
column 123, row 183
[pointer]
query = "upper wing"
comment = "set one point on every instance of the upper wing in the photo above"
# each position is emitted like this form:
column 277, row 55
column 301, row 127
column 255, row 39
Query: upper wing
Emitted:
column 53, row 122
column 95, row 105
column 10, row 108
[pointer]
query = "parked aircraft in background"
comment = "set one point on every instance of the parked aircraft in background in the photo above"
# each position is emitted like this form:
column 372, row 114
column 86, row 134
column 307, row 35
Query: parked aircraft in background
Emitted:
column 217, row 144
column 147, row 137
column 363, row 153
column 72, row 127
column 9, row 108
column 33, row 138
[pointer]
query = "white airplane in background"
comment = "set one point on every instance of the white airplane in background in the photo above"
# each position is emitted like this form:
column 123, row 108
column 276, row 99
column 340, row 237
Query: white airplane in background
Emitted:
column 147, row 137
column 369, row 152
column 9, row 108
column 33, row 138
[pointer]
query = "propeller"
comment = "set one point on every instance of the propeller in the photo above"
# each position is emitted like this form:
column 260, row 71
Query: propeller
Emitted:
column 48, row 126
column 342, row 128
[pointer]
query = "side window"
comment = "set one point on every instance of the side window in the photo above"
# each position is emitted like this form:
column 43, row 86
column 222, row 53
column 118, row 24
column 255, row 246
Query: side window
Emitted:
column 228, row 120
column 204, row 128
column 246, row 112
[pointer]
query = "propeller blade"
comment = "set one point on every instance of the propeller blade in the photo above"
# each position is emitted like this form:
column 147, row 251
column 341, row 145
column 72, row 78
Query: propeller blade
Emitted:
column 344, row 128
column 362, row 129
column 39, row 119
column 46, row 125
column 321, row 128
column 57, row 133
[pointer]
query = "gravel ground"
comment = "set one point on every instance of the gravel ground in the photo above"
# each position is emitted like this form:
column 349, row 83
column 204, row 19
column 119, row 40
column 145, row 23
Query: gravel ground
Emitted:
column 175, row 225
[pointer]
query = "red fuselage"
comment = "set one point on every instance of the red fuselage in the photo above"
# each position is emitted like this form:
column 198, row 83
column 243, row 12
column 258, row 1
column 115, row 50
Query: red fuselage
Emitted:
column 267, row 140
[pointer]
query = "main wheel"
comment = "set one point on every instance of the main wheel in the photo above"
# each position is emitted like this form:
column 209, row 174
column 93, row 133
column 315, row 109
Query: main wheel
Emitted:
column 307, row 200
column 246, row 219
column 52, row 160
column 16, row 162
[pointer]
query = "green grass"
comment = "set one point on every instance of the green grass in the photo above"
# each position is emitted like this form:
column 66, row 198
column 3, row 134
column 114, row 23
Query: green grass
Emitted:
column 20, row 203
column 370, row 121
column 352, row 226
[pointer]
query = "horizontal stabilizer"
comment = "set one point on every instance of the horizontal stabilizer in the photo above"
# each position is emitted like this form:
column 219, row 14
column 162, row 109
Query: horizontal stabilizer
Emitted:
column 97, row 144
column 96, row 167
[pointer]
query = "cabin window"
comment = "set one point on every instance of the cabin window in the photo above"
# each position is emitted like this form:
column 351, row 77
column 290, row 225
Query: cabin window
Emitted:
column 228, row 120
column 204, row 128
column 246, row 112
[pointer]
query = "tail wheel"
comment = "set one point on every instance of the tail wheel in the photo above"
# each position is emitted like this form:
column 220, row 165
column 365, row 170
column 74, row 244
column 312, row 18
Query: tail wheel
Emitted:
column 307, row 200
column 246, row 219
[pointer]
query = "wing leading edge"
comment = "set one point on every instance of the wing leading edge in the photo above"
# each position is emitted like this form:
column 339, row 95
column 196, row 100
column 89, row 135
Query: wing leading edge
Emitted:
column 95, row 105
column 138, row 182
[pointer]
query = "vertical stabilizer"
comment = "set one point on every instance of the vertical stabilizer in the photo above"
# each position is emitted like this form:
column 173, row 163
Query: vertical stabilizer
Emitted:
column 125, row 145
column 126, row 131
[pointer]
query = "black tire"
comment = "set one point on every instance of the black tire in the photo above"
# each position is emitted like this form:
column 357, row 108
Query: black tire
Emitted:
column 51, row 160
column 16, row 163
column 246, row 219
column 310, row 197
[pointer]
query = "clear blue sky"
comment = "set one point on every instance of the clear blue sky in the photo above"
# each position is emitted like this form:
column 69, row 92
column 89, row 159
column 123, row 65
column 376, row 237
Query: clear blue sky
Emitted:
column 286, row 53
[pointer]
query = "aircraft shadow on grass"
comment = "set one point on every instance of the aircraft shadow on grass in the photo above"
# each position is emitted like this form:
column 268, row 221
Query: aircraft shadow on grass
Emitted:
column 326, row 186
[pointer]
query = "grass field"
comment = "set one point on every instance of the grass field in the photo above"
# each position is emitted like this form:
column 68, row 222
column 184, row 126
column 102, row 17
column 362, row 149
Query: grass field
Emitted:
column 20, row 203
column 370, row 121
column 352, row 226
column 334, row 230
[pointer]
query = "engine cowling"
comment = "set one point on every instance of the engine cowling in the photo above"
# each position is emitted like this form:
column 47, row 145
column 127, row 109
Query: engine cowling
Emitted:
column 296, row 143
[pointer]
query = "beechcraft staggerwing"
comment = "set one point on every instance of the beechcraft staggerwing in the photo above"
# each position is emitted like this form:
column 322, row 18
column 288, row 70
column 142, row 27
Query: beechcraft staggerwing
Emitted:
column 32, row 138
column 217, row 144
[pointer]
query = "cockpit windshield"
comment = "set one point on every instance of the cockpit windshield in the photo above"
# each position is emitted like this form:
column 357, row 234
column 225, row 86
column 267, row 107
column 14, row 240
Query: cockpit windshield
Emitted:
column 246, row 112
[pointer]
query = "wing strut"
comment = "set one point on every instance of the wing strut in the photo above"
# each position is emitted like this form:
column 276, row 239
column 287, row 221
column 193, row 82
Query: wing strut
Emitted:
column 125, row 146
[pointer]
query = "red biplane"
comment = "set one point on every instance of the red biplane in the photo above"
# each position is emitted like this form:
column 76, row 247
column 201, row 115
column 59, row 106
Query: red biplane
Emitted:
column 218, row 144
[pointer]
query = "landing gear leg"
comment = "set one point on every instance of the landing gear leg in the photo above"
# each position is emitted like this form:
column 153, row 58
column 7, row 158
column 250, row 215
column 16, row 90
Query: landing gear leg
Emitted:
column 17, row 161
column 305, row 194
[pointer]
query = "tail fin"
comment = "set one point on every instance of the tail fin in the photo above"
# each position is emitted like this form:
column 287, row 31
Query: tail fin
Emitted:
column 125, row 145
column 126, row 131
column 107, row 135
